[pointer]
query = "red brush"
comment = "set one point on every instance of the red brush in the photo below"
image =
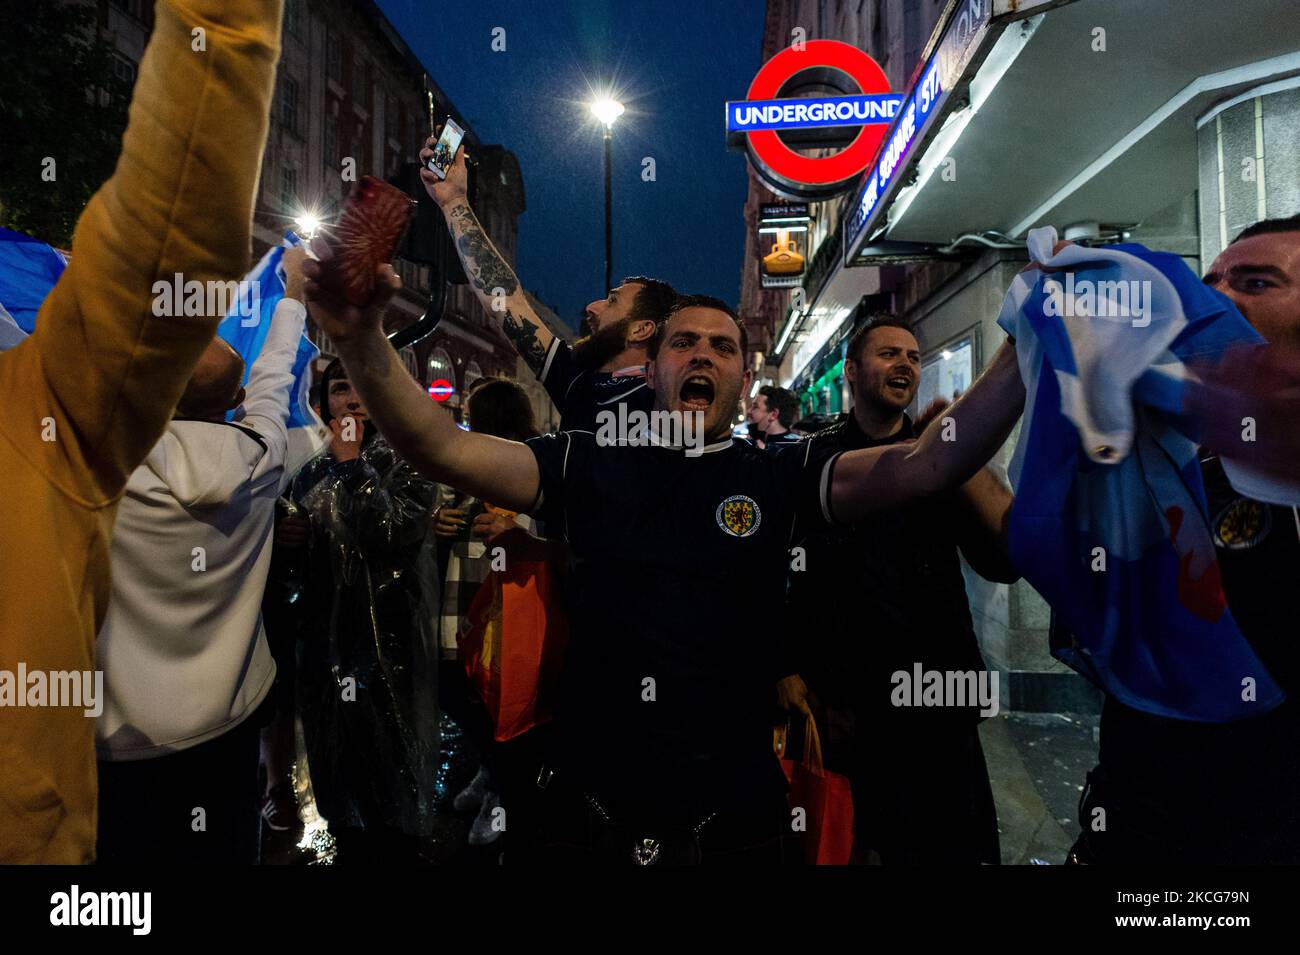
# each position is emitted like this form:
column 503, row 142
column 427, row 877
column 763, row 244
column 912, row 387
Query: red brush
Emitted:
column 374, row 219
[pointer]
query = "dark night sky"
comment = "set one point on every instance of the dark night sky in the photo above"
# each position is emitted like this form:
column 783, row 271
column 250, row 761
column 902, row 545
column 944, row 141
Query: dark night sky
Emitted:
column 673, row 63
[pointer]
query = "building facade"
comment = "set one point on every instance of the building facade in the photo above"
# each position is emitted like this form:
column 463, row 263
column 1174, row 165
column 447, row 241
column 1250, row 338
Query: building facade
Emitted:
column 352, row 100
column 1170, row 124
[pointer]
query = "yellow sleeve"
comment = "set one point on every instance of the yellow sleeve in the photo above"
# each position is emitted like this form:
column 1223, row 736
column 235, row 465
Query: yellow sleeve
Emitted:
column 98, row 380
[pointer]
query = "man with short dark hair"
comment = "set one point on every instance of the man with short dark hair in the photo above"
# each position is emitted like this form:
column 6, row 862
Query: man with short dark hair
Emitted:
column 771, row 415
column 891, row 597
column 600, row 371
column 664, row 721
column 1179, row 791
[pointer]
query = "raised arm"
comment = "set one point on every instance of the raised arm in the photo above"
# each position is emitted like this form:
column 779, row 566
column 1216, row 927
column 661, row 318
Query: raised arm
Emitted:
column 106, row 363
column 270, row 381
column 504, row 472
column 982, row 532
column 948, row 453
column 485, row 267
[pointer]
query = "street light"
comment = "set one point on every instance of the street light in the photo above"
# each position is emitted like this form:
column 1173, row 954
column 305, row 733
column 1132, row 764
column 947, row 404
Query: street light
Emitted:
column 607, row 110
column 307, row 224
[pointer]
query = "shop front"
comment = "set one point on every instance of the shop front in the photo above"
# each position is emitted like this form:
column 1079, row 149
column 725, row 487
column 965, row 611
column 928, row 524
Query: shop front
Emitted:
column 1174, row 123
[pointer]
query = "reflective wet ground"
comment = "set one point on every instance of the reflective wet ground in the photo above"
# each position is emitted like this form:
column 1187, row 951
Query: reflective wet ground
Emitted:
column 313, row 844
column 1037, row 763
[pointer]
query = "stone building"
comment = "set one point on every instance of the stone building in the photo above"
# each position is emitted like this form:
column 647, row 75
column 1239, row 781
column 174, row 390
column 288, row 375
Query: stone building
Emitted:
column 350, row 101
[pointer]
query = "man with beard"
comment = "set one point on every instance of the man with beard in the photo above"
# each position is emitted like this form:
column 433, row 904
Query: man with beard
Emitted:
column 891, row 595
column 604, row 369
column 664, row 720
column 1180, row 791
column 771, row 415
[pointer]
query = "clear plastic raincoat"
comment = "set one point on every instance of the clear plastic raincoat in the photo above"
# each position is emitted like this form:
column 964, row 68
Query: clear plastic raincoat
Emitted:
column 367, row 664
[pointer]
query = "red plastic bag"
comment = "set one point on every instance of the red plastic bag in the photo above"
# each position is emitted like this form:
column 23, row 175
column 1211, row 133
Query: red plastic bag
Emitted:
column 512, row 644
column 825, row 797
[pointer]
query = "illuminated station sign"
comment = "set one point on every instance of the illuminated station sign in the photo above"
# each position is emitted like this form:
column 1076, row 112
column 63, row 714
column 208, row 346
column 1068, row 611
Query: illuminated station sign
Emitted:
column 915, row 118
column 772, row 121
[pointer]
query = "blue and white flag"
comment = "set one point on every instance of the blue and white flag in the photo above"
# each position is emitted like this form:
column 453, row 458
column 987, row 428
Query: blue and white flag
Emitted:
column 246, row 327
column 28, row 270
column 10, row 333
column 1109, row 522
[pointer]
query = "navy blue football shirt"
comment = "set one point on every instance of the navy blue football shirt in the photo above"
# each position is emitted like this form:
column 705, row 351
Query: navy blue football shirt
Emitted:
column 670, row 680
column 580, row 395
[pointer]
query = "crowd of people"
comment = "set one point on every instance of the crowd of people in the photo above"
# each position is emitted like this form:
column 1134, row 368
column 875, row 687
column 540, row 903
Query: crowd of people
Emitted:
column 385, row 582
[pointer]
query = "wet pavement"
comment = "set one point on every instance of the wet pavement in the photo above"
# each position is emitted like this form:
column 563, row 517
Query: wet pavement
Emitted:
column 1037, row 764
column 312, row 844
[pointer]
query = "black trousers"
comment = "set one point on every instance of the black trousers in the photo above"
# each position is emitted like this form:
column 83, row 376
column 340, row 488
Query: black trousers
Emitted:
column 1182, row 793
column 197, row 806
column 572, row 829
column 921, row 795
column 513, row 765
column 1196, row 812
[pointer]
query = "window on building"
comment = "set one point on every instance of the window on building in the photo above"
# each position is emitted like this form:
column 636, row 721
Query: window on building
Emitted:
column 878, row 32
column 359, row 146
column 440, row 366
column 288, row 188
column 289, row 104
column 334, row 57
column 360, row 85
column 135, row 8
column 390, row 116
column 331, row 140
column 124, row 69
column 944, row 374
column 411, row 362
column 419, row 133
column 913, row 33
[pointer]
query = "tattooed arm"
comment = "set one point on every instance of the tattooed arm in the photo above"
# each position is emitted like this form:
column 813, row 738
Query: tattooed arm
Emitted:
column 491, row 277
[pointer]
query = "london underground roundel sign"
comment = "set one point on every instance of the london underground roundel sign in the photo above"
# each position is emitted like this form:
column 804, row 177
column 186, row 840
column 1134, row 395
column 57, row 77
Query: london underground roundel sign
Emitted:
column 828, row 64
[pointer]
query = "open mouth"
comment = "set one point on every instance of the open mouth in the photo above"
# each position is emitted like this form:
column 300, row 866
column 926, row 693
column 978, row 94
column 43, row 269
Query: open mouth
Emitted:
column 901, row 382
column 696, row 393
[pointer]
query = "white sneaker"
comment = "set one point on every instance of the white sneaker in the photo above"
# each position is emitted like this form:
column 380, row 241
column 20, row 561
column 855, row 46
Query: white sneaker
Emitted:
column 472, row 796
column 483, row 833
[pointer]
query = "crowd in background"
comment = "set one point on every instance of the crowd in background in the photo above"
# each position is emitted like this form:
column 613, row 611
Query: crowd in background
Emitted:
column 616, row 631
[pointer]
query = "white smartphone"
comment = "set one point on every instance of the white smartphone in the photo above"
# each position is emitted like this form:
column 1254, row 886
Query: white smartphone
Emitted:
column 444, row 151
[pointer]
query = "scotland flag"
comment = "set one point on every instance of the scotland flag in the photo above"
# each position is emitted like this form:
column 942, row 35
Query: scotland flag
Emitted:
column 29, row 268
column 1109, row 522
column 246, row 327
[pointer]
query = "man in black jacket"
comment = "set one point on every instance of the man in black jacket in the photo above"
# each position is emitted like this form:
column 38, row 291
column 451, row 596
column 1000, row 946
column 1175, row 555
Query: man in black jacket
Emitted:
column 881, row 604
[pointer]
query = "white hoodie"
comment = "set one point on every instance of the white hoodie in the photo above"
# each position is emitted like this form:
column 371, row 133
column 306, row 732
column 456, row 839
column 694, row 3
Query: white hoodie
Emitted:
column 183, row 649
